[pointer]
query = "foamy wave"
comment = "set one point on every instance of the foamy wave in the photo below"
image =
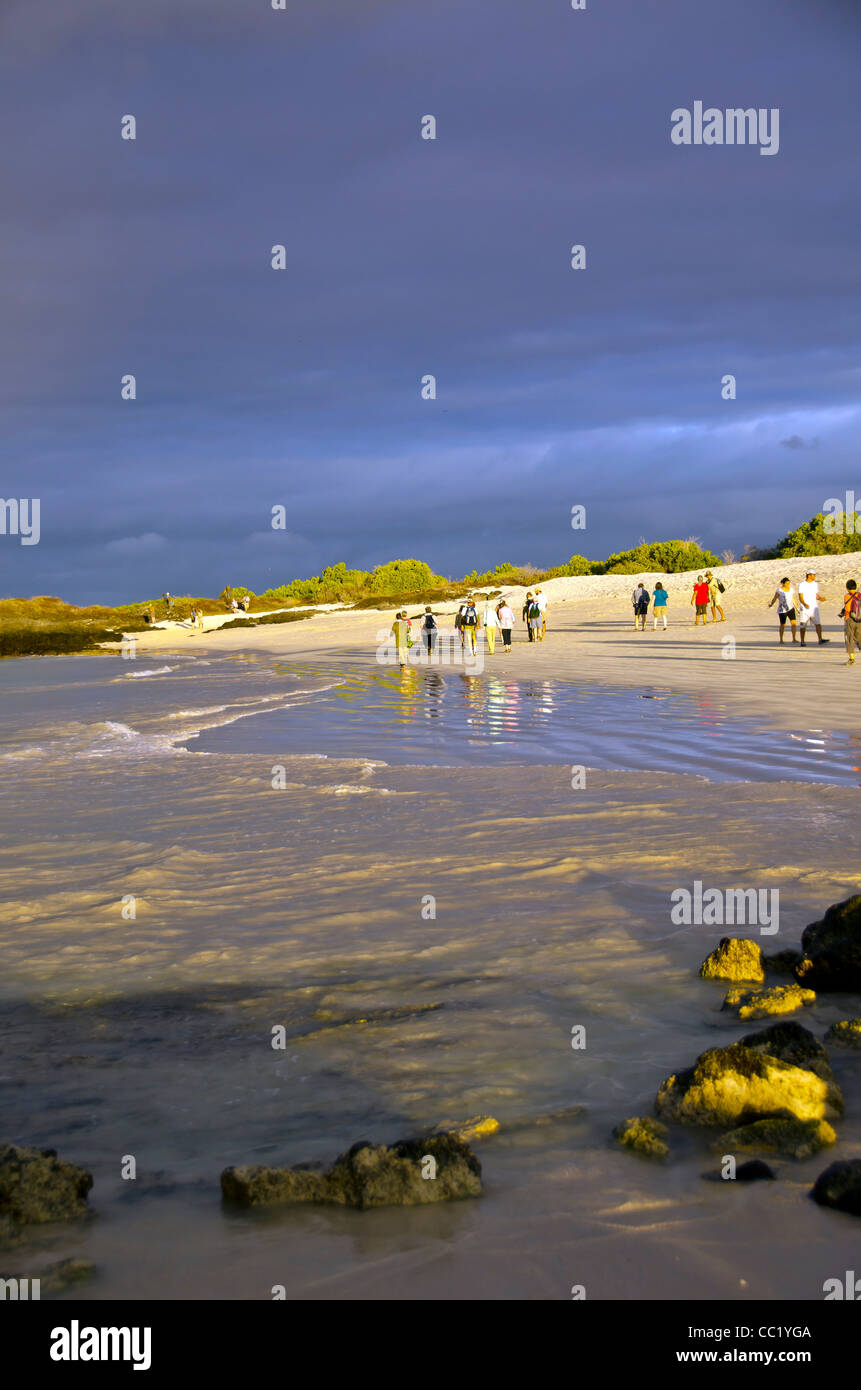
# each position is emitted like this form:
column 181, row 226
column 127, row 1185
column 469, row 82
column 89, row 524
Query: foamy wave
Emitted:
column 160, row 671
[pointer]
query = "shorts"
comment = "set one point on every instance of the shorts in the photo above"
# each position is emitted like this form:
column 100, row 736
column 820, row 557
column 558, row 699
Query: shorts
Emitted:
column 810, row 617
column 782, row 617
column 702, row 608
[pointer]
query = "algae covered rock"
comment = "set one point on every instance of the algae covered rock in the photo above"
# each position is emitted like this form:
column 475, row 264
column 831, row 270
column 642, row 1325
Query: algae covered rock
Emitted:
column 468, row 1131
column 846, row 1033
column 36, row 1186
column 737, row 1085
column 780, row 999
column 734, row 958
column 782, row 1135
column 791, row 1043
column 643, row 1135
column 832, row 948
column 840, row 1187
column 413, row 1172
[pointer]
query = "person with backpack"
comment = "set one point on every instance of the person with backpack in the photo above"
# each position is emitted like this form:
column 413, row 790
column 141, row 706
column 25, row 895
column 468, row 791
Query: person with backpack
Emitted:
column 533, row 619
column 506, row 622
column 429, row 630
column 469, row 623
column 716, row 588
column 784, row 597
column 659, row 609
column 458, row 621
column 851, row 612
column 641, row 599
column 490, row 621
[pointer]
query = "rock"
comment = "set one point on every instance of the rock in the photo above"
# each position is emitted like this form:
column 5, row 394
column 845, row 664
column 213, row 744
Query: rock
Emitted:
column 36, row 1186
column 791, row 1043
column 840, row 1186
column 368, row 1175
column 643, row 1135
column 781, row 1135
column 762, row 1003
column 734, row 958
column 783, row 962
column 832, row 948
column 754, row 1171
column 846, row 1033
column 468, row 1131
column 737, row 1085
column 63, row 1274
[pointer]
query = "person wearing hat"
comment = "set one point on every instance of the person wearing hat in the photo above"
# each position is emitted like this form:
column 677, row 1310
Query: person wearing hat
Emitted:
column 714, row 597
column 810, row 598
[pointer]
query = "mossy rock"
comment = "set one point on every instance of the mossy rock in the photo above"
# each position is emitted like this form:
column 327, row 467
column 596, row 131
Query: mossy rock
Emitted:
column 791, row 1043
column 736, row 1085
column 734, row 958
column 784, row 1135
column 468, row 1131
column 36, row 1186
column 832, row 948
column 846, row 1033
column 368, row 1175
column 643, row 1135
column 840, row 1187
column 764, row 1003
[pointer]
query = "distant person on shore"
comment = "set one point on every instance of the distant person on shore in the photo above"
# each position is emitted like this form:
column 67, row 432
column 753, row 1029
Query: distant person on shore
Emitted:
column 640, row 600
column 429, row 631
column 700, row 597
column 234, row 606
column 715, row 591
column 784, row 597
column 399, row 632
column 469, row 623
column 810, row 598
column 200, row 620
column 506, row 623
column 246, row 603
column 851, row 611
column 659, row 609
column 458, row 621
column 542, row 604
column 168, row 603
column 490, row 622
column 527, row 604
column 533, row 619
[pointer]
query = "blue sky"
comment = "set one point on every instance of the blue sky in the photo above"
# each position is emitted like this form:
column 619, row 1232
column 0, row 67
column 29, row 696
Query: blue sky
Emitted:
column 555, row 387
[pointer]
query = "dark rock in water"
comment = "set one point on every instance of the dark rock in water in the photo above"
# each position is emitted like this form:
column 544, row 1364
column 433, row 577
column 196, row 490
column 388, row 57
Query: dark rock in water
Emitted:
column 782, row 1134
column 832, row 948
column 734, row 958
column 36, row 1186
column 791, row 1043
column 63, row 1274
column 736, row 1085
column 413, row 1172
column 783, row 962
column 840, row 1187
column 846, row 1033
column 754, row 1171
column 643, row 1135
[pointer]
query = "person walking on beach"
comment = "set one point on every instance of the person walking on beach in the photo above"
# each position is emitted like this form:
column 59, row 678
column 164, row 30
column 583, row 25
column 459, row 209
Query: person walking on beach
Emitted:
column 542, row 604
column 784, row 597
column 852, row 620
column 527, row 604
column 810, row 598
column 399, row 631
column 715, row 591
column 641, row 599
column 659, row 610
column 458, row 621
column 469, row 623
column 168, row 603
column 533, row 619
column 506, row 623
column 429, row 631
column 490, row 620
column 700, row 597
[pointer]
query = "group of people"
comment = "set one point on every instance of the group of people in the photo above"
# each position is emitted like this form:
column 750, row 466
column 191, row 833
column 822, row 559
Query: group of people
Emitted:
column 801, row 609
column 494, row 618
column 706, row 593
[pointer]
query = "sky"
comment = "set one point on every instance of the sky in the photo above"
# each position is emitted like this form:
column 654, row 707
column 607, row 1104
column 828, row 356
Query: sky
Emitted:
column 301, row 388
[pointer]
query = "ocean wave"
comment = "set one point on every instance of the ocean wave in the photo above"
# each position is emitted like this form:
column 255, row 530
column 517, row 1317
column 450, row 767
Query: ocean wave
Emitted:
column 160, row 671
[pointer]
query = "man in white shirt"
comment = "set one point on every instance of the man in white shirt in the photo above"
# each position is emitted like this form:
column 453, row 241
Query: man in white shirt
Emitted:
column 541, row 600
column 809, row 598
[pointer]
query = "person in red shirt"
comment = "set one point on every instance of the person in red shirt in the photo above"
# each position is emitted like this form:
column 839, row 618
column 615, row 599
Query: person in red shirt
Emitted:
column 700, row 597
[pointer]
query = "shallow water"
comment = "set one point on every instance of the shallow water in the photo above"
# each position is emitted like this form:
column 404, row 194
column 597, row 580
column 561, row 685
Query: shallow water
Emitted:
column 303, row 908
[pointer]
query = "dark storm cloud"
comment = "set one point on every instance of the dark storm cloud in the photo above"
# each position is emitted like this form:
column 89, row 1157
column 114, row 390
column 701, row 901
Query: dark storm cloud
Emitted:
column 406, row 257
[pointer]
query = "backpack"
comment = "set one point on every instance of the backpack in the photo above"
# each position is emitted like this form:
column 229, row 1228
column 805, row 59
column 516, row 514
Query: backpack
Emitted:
column 429, row 622
column 533, row 611
column 855, row 605
column 470, row 618
column 721, row 588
